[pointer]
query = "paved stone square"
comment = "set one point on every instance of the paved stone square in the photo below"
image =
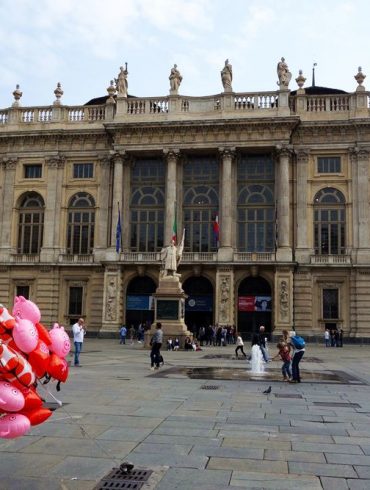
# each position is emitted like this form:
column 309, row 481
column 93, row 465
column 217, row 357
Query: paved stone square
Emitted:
column 205, row 433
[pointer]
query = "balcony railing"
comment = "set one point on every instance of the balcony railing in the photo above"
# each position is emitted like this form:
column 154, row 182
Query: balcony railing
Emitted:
column 76, row 258
column 331, row 259
column 148, row 257
column 25, row 258
column 199, row 257
column 254, row 257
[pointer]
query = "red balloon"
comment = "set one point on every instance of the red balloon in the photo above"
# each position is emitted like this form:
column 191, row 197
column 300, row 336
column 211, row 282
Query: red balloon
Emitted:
column 39, row 359
column 31, row 400
column 58, row 368
column 37, row 415
column 43, row 333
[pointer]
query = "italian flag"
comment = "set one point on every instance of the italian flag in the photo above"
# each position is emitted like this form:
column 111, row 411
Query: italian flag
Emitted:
column 174, row 229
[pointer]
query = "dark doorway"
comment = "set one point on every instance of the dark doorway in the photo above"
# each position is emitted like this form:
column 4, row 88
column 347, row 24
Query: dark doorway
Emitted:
column 199, row 303
column 254, row 306
column 139, row 301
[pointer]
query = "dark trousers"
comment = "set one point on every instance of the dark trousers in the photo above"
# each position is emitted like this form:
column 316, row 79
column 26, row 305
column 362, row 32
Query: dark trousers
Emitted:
column 240, row 347
column 295, row 366
column 78, row 349
column 155, row 353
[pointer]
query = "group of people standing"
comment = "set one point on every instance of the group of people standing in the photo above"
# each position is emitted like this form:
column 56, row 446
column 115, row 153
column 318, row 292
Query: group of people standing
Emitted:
column 333, row 338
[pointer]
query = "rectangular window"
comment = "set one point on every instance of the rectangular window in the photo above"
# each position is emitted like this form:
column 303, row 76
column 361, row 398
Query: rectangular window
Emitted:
column 329, row 165
column 83, row 170
column 75, row 300
column 32, row 171
column 23, row 291
column 330, row 303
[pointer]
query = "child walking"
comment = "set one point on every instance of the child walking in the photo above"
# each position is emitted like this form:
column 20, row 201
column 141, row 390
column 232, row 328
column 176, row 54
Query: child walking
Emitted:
column 284, row 354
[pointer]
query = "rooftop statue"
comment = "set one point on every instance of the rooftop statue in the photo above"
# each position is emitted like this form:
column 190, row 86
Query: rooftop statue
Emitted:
column 284, row 74
column 121, row 81
column 227, row 76
column 175, row 79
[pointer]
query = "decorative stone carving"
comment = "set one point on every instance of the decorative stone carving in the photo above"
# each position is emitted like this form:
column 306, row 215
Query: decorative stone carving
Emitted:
column 175, row 79
column 111, row 92
column 360, row 77
column 58, row 94
column 10, row 163
column 284, row 301
column 17, row 94
column 300, row 79
column 121, row 81
column 284, row 74
column 302, row 156
column 224, row 299
column 227, row 76
column 111, row 301
column 55, row 161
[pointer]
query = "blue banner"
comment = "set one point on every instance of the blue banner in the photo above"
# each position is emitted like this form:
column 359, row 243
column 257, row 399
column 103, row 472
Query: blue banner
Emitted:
column 139, row 302
column 199, row 303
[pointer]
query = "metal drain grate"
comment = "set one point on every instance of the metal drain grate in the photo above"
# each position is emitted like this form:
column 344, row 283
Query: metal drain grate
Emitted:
column 118, row 480
column 209, row 387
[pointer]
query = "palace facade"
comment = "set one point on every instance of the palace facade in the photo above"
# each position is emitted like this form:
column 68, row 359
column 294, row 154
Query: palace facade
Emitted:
column 271, row 188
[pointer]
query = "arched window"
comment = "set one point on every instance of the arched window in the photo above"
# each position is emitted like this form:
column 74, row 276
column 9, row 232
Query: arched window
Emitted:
column 329, row 222
column 147, row 205
column 256, row 204
column 31, row 224
column 81, row 224
column 200, row 205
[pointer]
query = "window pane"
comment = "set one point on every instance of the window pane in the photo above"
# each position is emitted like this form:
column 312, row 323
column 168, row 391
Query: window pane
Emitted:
column 330, row 304
column 75, row 301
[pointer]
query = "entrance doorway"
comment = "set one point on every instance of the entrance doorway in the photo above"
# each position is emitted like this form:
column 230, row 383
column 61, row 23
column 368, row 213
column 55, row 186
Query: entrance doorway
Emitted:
column 199, row 303
column 139, row 302
column 254, row 306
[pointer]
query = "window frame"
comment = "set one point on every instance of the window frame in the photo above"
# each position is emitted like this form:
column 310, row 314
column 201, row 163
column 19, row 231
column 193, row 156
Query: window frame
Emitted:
column 328, row 161
column 32, row 167
column 83, row 168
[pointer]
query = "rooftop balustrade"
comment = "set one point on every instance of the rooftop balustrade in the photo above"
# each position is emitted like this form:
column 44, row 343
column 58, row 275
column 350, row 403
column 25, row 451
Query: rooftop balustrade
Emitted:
column 181, row 108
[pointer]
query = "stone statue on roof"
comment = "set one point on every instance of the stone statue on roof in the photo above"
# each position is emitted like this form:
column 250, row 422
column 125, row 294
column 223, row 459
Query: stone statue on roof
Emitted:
column 175, row 80
column 121, row 81
column 284, row 74
column 227, row 76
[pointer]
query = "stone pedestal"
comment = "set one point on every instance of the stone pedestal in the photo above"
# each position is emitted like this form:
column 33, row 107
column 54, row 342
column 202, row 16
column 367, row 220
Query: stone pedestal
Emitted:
column 169, row 310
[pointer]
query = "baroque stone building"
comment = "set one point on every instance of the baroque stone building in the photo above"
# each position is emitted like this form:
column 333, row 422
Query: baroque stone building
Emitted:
column 272, row 189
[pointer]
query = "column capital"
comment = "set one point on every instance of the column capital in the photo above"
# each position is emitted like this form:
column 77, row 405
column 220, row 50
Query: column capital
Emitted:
column 227, row 152
column 283, row 150
column 359, row 153
column 55, row 161
column 171, row 154
column 120, row 157
column 302, row 155
column 104, row 160
column 10, row 163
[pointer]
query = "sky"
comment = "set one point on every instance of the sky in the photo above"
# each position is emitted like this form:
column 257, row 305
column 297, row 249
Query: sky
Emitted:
column 82, row 44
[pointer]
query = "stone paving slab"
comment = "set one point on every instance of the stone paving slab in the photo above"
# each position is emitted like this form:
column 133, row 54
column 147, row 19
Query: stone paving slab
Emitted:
column 247, row 465
column 327, row 448
column 337, row 470
column 302, row 456
column 254, row 480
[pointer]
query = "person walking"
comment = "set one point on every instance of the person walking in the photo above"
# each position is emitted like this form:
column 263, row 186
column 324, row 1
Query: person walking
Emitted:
column 156, row 343
column 79, row 331
column 239, row 346
column 327, row 338
column 122, row 334
column 285, row 356
column 298, row 352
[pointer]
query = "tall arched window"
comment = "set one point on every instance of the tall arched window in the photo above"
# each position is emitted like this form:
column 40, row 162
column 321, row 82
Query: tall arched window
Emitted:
column 81, row 224
column 256, row 204
column 200, row 203
column 147, row 205
column 329, row 222
column 31, row 224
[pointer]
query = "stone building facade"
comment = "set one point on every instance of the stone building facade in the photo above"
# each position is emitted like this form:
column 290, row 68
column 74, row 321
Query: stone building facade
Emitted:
column 272, row 189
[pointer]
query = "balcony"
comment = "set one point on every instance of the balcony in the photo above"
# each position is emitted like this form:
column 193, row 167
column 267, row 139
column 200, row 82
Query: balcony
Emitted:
column 140, row 257
column 254, row 257
column 25, row 258
column 76, row 259
column 336, row 260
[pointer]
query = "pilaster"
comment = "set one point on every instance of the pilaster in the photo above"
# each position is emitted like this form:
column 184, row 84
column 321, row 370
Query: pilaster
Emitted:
column 9, row 165
column 284, row 249
column 224, row 310
column 172, row 157
column 101, row 240
column 302, row 252
column 111, row 302
column 283, row 299
column 225, row 252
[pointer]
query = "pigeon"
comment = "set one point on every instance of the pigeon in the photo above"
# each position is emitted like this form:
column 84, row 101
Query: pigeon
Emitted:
column 126, row 467
column 266, row 392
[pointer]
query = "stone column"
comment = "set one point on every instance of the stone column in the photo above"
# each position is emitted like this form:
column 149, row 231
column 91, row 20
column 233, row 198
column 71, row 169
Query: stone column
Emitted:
column 101, row 226
column 284, row 250
column 226, row 215
column 302, row 248
column 117, row 160
column 7, row 198
column 125, row 214
column 360, row 197
column 171, row 195
column 50, row 247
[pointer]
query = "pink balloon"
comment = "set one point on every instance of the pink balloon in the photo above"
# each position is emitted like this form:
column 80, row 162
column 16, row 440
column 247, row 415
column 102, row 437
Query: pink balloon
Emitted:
column 25, row 335
column 60, row 343
column 26, row 309
column 14, row 425
column 11, row 399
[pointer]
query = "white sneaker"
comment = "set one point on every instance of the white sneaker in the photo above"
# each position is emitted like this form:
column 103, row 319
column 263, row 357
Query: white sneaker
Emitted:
column 152, row 368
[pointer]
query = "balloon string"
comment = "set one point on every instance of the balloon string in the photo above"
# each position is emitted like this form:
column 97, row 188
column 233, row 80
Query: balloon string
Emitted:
column 83, row 431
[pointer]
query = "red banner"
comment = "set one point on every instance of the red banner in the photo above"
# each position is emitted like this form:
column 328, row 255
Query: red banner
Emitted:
column 246, row 303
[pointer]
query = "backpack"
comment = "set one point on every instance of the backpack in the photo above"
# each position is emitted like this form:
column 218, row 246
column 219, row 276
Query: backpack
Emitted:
column 298, row 342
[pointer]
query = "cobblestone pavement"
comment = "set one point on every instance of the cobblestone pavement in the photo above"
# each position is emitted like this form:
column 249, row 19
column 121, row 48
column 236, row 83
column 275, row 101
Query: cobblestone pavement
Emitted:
column 218, row 433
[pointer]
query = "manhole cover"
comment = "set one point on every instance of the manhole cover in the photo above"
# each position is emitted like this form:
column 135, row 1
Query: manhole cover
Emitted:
column 118, row 480
column 283, row 395
column 209, row 387
column 337, row 404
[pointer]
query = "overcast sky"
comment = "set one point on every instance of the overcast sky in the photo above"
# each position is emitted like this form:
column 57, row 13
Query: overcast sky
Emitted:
column 82, row 44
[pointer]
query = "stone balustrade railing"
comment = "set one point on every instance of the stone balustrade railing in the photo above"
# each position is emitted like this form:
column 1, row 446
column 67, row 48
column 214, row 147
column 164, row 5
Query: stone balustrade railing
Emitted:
column 234, row 105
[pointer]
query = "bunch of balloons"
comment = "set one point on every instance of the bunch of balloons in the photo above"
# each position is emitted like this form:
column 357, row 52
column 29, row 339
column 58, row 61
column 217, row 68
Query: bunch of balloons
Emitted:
column 28, row 353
